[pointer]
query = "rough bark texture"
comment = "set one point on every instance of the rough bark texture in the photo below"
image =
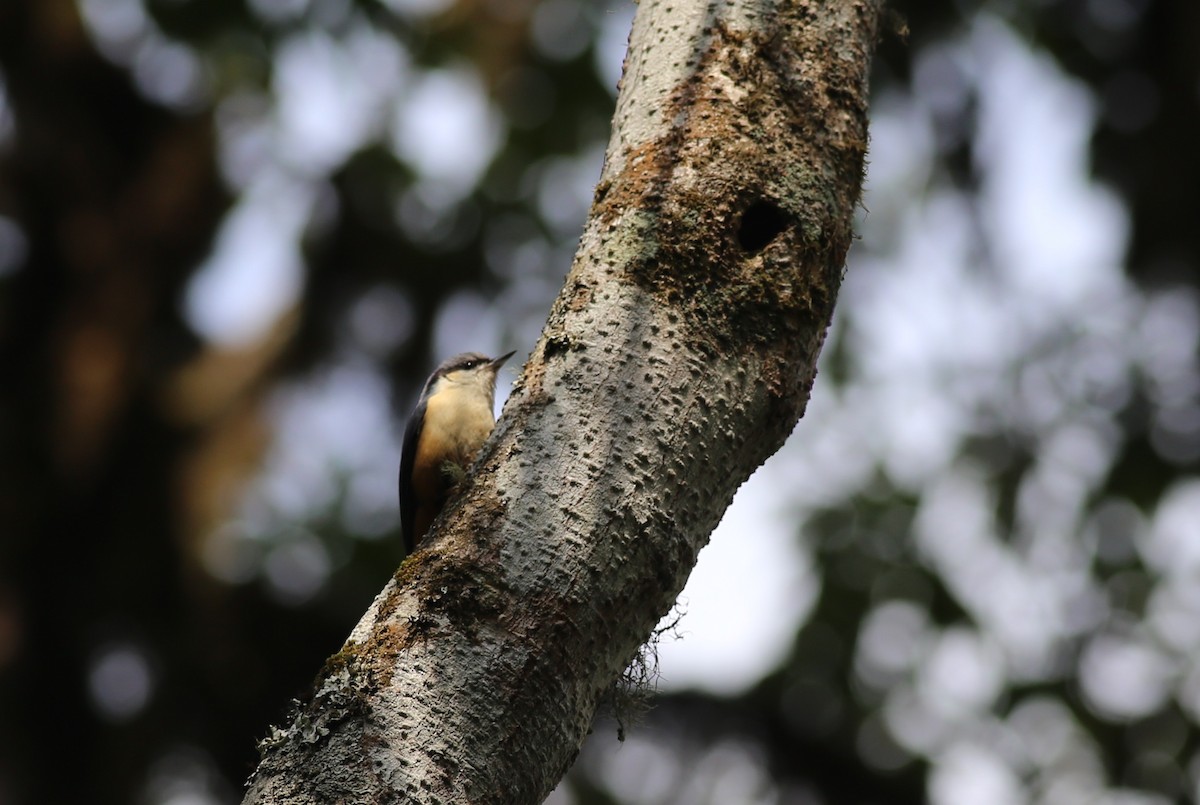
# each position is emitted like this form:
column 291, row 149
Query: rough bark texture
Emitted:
column 677, row 358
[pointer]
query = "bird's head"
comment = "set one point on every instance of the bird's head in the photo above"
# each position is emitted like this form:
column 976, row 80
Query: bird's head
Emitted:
column 470, row 370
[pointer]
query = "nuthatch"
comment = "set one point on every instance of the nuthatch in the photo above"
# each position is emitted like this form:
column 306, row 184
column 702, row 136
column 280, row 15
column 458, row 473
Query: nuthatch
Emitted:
column 452, row 420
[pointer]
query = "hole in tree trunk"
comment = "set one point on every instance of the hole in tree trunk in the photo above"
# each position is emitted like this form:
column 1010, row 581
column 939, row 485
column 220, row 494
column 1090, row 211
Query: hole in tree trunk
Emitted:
column 761, row 222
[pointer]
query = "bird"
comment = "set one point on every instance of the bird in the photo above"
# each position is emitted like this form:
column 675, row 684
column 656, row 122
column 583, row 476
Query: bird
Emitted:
column 450, row 422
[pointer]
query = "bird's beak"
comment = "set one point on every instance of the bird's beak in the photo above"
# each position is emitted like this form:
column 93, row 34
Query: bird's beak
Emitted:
column 498, row 362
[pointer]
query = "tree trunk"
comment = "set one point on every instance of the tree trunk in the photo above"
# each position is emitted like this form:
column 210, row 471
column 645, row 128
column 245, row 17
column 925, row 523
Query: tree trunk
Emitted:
column 677, row 358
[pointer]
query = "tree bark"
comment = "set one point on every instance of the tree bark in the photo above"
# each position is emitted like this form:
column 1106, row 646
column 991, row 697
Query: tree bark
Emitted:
column 677, row 358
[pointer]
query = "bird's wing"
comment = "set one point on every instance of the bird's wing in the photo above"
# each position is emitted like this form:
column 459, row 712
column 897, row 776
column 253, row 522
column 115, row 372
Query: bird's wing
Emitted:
column 408, row 455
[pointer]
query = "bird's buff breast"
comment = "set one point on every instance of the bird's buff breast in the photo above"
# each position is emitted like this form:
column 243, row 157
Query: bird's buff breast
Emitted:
column 453, row 431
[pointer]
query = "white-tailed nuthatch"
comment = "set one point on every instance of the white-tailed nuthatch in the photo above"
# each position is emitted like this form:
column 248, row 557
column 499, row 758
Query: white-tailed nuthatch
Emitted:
column 450, row 423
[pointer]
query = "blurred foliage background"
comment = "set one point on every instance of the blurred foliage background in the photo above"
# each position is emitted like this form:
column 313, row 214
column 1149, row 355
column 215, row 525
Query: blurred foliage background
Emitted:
column 236, row 234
